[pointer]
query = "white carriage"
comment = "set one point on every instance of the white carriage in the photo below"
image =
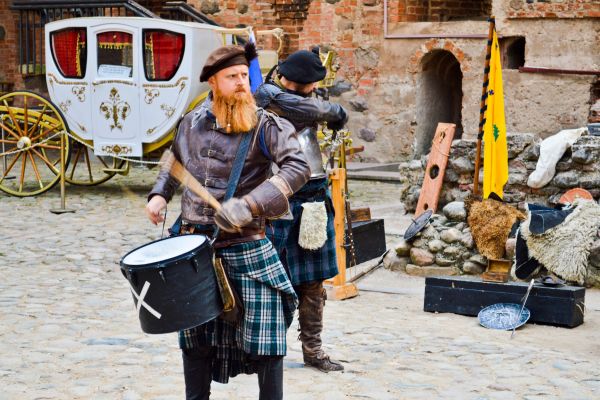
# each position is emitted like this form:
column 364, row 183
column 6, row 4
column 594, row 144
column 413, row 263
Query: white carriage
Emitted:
column 118, row 87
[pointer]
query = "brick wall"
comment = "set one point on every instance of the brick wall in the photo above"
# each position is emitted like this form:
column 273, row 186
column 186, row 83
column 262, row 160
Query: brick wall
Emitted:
column 437, row 10
column 9, row 47
column 554, row 9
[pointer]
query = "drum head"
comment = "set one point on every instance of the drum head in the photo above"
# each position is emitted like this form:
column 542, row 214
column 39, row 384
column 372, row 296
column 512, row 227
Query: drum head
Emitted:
column 164, row 249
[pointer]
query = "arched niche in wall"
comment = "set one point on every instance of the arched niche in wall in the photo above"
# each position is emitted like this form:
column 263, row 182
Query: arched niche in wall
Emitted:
column 439, row 97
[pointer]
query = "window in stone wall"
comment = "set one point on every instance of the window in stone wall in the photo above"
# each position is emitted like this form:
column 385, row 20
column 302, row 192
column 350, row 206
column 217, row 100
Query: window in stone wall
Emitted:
column 512, row 50
column 438, row 10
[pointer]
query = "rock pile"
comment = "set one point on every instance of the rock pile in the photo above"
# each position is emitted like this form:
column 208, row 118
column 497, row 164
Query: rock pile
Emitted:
column 444, row 247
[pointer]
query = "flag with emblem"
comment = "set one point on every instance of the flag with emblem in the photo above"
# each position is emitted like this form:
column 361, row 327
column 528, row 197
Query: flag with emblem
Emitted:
column 495, row 154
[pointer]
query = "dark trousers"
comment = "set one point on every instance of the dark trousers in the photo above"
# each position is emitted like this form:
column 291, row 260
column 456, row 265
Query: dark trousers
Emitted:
column 197, row 371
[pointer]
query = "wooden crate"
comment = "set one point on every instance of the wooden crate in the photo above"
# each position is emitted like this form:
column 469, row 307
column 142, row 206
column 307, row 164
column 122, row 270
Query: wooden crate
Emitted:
column 559, row 306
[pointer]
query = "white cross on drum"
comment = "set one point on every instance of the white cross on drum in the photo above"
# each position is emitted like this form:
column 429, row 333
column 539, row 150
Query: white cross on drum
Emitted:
column 140, row 300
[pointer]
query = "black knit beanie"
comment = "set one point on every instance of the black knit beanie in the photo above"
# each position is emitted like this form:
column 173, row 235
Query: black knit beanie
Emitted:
column 303, row 67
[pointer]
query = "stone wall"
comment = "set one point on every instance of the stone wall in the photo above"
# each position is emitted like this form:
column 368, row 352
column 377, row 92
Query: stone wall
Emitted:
column 382, row 80
column 579, row 167
column 9, row 48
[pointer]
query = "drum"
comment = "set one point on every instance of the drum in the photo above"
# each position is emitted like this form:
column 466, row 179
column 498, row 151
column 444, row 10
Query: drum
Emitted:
column 173, row 283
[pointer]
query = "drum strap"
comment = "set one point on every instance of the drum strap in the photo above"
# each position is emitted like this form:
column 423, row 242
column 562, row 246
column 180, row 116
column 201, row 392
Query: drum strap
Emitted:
column 234, row 178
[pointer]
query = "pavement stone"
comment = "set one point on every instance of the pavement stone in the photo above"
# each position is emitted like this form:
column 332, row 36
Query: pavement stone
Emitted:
column 68, row 328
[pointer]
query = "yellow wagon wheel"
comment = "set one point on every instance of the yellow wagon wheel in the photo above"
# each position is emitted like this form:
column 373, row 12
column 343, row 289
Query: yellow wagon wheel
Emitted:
column 30, row 129
column 87, row 169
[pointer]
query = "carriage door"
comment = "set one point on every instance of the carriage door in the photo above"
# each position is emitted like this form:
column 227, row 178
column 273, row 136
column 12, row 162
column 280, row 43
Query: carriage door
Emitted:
column 115, row 101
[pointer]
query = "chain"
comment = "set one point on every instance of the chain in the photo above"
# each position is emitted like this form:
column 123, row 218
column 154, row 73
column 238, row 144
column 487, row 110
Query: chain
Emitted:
column 8, row 153
column 117, row 157
column 79, row 141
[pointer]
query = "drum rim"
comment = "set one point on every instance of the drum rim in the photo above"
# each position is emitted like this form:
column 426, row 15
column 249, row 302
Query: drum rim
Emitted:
column 157, row 264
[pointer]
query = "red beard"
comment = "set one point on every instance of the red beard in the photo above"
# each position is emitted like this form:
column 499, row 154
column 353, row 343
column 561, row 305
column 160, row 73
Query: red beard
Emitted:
column 237, row 112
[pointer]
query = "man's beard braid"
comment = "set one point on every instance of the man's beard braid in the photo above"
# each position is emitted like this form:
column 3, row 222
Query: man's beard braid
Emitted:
column 235, row 113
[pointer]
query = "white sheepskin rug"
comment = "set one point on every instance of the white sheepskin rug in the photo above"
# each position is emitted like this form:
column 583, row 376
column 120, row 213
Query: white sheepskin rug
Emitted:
column 564, row 249
column 313, row 226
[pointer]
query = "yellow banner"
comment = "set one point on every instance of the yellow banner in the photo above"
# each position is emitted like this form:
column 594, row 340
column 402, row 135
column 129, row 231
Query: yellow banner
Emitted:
column 495, row 155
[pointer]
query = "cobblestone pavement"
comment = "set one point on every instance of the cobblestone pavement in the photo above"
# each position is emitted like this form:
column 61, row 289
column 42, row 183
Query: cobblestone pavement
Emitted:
column 68, row 328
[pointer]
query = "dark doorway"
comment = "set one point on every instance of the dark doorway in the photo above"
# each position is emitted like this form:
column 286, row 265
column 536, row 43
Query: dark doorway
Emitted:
column 512, row 50
column 439, row 97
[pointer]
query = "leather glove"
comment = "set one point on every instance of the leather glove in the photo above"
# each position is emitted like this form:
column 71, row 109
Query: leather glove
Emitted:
column 234, row 214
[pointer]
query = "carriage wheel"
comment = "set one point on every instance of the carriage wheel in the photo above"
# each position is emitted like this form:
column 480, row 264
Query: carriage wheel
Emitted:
column 30, row 145
column 87, row 169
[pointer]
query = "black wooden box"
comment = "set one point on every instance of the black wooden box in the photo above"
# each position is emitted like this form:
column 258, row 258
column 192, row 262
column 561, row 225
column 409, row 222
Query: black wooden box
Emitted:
column 562, row 306
column 369, row 240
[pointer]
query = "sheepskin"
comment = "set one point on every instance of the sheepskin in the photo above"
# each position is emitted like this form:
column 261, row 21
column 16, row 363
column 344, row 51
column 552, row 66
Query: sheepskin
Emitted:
column 313, row 226
column 490, row 222
column 564, row 249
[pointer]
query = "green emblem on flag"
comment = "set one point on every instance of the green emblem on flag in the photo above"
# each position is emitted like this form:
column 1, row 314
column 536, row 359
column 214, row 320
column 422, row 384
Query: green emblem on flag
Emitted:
column 496, row 132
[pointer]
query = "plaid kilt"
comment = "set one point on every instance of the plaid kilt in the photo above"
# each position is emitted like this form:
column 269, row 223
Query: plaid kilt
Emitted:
column 269, row 303
column 305, row 265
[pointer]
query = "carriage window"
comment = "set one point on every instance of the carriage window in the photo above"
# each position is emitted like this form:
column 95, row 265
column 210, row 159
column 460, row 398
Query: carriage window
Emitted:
column 69, row 50
column 115, row 55
column 163, row 52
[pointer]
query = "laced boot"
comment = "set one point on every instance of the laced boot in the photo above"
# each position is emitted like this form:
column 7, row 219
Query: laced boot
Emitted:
column 310, row 315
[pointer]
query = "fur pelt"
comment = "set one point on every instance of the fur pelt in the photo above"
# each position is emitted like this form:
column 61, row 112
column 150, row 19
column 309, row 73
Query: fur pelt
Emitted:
column 564, row 249
column 313, row 226
column 490, row 222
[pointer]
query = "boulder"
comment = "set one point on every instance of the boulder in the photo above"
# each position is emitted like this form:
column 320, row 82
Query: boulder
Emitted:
column 436, row 245
column 394, row 263
column 402, row 248
column 421, row 257
column 472, row 268
column 451, row 235
column 455, row 211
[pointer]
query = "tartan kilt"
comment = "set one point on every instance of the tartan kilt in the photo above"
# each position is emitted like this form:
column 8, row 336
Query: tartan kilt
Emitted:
column 269, row 301
column 305, row 265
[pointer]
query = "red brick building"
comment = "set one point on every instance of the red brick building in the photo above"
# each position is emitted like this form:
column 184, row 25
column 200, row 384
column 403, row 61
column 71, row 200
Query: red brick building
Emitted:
column 408, row 64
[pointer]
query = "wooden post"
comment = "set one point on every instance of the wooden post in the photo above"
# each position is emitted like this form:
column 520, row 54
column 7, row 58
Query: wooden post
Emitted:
column 63, row 170
column 340, row 289
column 486, row 73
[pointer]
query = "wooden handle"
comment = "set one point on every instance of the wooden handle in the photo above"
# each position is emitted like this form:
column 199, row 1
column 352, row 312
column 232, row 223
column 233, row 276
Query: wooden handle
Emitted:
column 170, row 164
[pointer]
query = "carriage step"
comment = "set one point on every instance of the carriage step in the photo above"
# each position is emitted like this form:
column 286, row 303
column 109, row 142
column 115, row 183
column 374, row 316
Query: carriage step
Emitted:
column 120, row 171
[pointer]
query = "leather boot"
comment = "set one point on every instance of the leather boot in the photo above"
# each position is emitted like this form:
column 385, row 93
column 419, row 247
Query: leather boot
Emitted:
column 310, row 315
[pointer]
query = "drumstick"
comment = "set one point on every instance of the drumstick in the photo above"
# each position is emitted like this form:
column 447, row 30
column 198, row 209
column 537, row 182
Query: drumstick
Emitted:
column 169, row 163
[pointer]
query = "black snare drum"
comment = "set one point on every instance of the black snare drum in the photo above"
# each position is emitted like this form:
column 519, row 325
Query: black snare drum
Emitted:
column 173, row 283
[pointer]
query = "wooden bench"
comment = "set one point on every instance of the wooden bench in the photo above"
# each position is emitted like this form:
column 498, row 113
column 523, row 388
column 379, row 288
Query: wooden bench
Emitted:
column 559, row 306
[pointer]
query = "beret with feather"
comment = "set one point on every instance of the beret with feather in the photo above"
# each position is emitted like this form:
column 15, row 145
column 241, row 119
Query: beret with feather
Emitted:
column 227, row 56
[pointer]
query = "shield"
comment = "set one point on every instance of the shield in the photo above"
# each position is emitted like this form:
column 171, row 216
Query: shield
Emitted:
column 503, row 316
column 417, row 225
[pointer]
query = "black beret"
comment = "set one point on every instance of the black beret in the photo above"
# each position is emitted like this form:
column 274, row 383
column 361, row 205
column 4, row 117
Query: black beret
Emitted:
column 303, row 67
column 227, row 56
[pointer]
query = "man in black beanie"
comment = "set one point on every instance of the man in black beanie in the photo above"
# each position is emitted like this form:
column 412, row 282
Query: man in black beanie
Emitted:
column 288, row 94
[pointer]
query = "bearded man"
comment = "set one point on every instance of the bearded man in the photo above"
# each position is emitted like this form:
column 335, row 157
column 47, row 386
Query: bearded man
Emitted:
column 206, row 144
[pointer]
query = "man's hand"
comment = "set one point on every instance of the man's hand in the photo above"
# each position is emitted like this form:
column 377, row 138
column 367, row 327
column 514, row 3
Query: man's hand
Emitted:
column 234, row 214
column 154, row 209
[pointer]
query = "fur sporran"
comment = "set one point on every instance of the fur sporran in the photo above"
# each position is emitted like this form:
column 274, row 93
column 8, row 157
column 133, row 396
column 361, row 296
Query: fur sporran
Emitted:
column 313, row 226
